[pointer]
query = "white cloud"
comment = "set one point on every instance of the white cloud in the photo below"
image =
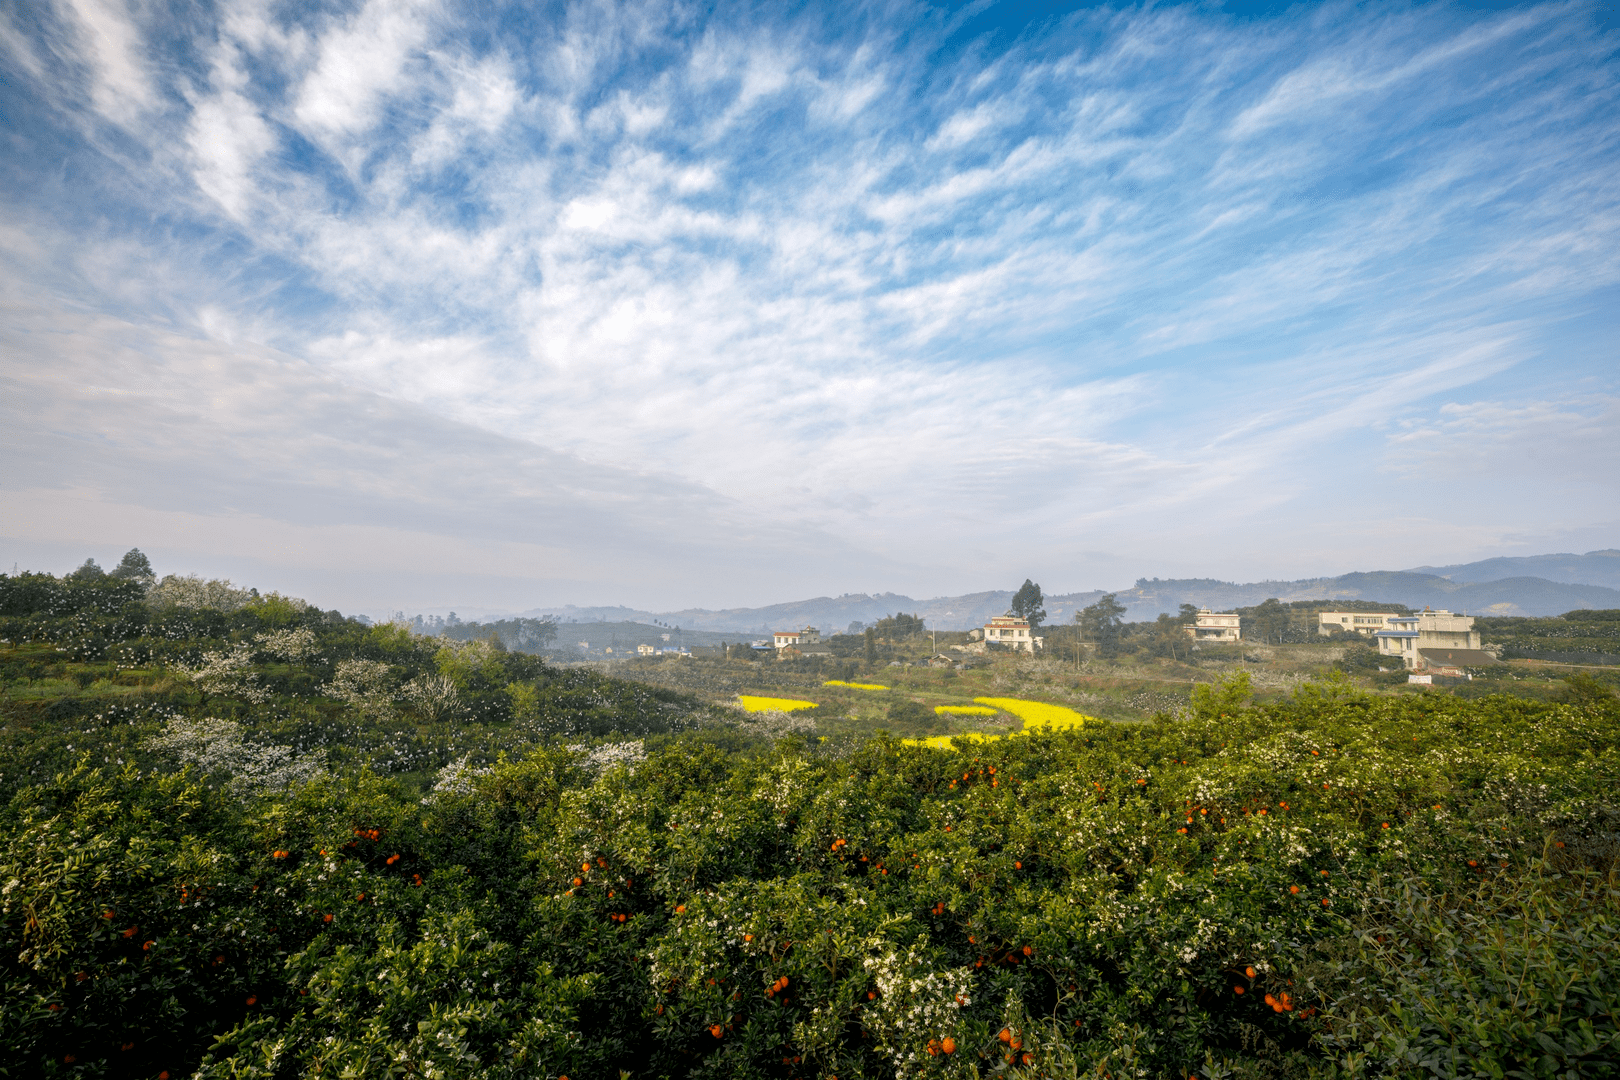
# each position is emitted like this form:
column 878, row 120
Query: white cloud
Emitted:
column 358, row 63
column 121, row 87
column 1096, row 282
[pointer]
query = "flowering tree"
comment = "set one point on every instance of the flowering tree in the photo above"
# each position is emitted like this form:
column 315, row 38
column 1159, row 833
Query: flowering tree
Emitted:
column 193, row 592
column 227, row 673
column 218, row 746
column 365, row 684
column 296, row 644
column 433, row 696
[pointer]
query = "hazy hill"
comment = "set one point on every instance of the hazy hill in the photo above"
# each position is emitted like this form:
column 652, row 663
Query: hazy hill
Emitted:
column 1593, row 568
column 1506, row 596
column 1521, row 595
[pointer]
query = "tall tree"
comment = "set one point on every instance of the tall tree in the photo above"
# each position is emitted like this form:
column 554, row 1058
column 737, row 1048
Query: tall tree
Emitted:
column 1026, row 604
column 1271, row 620
column 1169, row 636
column 87, row 572
column 1100, row 622
column 135, row 566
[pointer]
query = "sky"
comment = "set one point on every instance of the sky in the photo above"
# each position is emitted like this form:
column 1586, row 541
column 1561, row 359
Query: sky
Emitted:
column 405, row 304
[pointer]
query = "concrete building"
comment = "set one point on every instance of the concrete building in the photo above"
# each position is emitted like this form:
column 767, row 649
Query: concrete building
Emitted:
column 1215, row 627
column 1362, row 622
column 808, row 636
column 1013, row 632
column 1433, row 639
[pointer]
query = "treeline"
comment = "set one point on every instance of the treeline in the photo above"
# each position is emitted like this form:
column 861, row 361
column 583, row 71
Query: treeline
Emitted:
column 518, row 635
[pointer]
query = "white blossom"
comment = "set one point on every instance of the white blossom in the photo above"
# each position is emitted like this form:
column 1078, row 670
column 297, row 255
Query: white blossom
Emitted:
column 457, row 778
column 216, row 745
column 434, row 696
column 287, row 644
column 606, row 756
column 363, row 684
column 220, row 672
column 193, row 592
column 775, row 724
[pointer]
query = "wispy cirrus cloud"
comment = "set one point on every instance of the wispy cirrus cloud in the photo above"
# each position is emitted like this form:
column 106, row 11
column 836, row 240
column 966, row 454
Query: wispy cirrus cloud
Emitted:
column 867, row 274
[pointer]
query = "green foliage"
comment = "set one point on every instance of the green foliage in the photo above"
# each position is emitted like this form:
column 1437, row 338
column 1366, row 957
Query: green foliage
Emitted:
column 1398, row 886
column 135, row 566
column 1101, row 623
column 1519, row 976
column 898, row 627
column 1575, row 637
column 1027, row 604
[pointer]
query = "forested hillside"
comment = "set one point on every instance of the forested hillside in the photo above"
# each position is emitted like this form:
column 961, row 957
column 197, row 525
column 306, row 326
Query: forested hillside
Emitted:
column 243, row 837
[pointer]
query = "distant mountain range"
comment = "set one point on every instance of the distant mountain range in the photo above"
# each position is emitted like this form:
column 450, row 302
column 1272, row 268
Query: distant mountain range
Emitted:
column 1593, row 568
column 1491, row 587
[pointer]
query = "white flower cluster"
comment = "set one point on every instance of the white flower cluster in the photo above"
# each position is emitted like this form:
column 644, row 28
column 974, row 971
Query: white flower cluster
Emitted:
column 287, row 644
column 229, row 673
column 604, row 757
column 457, row 778
column 434, row 696
column 915, row 1005
column 215, row 745
column 365, row 684
column 192, row 592
column 774, row 724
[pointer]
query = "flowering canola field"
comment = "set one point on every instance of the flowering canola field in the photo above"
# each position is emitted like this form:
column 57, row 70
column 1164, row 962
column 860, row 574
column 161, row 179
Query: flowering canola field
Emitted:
column 855, row 685
column 774, row 704
column 1036, row 715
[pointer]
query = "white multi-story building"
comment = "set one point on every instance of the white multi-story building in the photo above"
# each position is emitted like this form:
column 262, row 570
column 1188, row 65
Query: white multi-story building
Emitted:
column 1437, row 638
column 1215, row 626
column 1013, row 632
column 808, row 636
column 1362, row 622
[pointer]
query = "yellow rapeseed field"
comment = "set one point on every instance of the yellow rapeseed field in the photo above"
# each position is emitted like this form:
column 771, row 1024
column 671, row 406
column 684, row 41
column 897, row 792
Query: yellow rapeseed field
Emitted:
column 1036, row 714
column 774, row 704
column 855, row 685
column 965, row 710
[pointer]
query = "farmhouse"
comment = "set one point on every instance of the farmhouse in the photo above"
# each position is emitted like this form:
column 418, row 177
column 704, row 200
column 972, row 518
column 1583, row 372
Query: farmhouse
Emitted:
column 1362, row 622
column 783, row 639
column 1437, row 640
column 1011, row 631
column 1215, row 626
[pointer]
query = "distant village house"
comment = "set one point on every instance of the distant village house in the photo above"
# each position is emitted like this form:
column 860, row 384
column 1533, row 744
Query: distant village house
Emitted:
column 1215, row 627
column 1362, row 622
column 1013, row 632
column 1435, row 641
column 792, row 643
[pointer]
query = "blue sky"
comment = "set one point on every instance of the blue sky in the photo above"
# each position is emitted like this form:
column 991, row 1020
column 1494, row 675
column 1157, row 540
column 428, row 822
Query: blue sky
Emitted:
column 418, row 304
